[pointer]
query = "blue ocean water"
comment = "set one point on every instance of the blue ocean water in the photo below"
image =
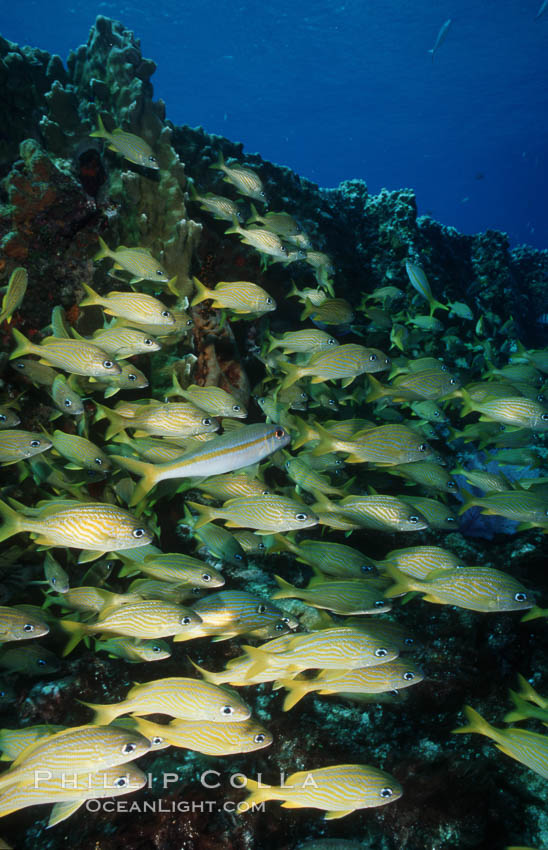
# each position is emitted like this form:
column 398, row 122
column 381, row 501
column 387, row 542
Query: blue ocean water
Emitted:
column 339, row 90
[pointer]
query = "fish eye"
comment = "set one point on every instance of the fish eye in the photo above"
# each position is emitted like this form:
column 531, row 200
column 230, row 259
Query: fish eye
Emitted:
column 98, row 461
column 129, row 748
column 381, row 653
column 449, row 519
column 156, row 648
column 409, row 641
column 156, row 740
column 186, row 621
column 379, row 603
column 520, row 597
column 386, row 792
column 121, row 782
column 261, row 609
column 189, row 323
column 331, row 341
column 152, row 159
column 366, row 568
column 206, row 421
column 19, row 365
column 159, row 272
column 108, row 364
column 147, row 342
column 139, row 532
column 301, row 517
column 41, row 662
column 279, row 432
column 206, row 577
column 227, row 710
column 238, row 557
column 372, row 357
column 413, row 519
column 259, row 739
column 423, row 447
column 3, row 417
column 387, row 361
column 68, row 402
column 53, row 580
column 236, row 408
column 408, row 676
column 541, row 399
column 166, row 314
column 544, row 417
column 331, row 401
column 269, row 300
column 453, row 381
column 132, row 377
column 452, row 485
column 28, row 627
column 34, row 443
column 261, row 546
column 279, row 627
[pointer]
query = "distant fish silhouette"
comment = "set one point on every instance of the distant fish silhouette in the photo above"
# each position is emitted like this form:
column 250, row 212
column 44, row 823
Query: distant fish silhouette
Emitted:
column 542, row 9
column 443, row 33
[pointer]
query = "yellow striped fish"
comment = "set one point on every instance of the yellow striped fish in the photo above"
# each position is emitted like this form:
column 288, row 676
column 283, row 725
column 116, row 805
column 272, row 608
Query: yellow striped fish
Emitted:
column 240, row 296
column 19, row 625
column 419, row 561
column 72, row 355
column 437, row 514
column 81, row 453
column 518, row 411
column 137, row 261
column 231, row 451
column 237, row 669
column 267, row 514
column 183, row 698
column 123, row 342
column 214, row 400
column 430, row 385
column 381, row 512
column 69, row 790
column 529, row 748
column 88, row 598
column 134, row 649
column 344, row 363
column 428, row 473
column 244, row 180
column 175, row 567
column 210, row 738
column 392, row 676
column 278, row 222
column 148, row 618
column 131, row 306
column 309, row 341
column 76, row 750
column 385, row 445
column 477, row 588
column 308, row 479
column 518, row 505
column 350, row 596
column 332, row 311
column 229, row 613
column 17, row 445
column 95, row 526
column 130, row 146
column 335, row 559
column 338, row 789
column 340, row 647
column 14, row 741
column 262, row 240
column 223, row 209
column 172, row 419
column 15, row 292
